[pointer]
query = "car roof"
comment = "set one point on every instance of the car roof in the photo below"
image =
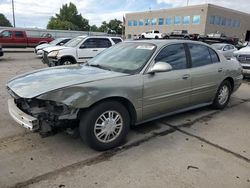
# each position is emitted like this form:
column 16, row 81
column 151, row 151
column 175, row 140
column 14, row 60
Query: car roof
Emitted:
column 161, row 43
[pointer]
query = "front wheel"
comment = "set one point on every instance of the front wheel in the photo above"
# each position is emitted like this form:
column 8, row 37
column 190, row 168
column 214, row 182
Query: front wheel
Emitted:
column 223, row 95
column 66, row 61
column 105, row 125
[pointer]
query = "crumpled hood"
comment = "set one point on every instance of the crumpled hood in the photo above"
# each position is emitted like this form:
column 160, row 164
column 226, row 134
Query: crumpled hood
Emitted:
column 45, row 80
column 53, row 48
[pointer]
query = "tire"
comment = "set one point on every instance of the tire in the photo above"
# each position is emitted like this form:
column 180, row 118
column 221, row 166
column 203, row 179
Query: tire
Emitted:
column 143, row 37
column 67, row 61
column 221, row 100
column 92, row 123
column 156, row 37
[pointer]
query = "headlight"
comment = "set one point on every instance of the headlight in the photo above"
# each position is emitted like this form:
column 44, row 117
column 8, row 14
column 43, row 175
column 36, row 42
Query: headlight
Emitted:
column 53, row 53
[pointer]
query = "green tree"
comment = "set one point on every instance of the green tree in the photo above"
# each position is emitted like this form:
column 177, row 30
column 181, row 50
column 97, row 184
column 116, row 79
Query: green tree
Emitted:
column 4, row 21
column 94, row 28
column 113, row 26
column 68, row 19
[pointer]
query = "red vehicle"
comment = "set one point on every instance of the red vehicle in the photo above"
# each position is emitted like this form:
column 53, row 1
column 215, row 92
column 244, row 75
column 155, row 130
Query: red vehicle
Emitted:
column 19, row 38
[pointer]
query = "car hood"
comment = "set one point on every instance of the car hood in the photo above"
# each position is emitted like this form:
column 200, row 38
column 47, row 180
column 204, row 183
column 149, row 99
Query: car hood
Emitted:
column 45, row 80
column 53, row 48
column 245, row 50
column 42, row 46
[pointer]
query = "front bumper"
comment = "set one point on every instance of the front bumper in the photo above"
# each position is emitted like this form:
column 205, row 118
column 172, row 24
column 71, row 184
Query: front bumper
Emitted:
column 22, row 118
column 246, row 69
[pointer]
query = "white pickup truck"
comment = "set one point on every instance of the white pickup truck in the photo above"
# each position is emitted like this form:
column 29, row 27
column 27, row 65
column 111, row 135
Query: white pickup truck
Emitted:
column 77, row 50
column 152, row 34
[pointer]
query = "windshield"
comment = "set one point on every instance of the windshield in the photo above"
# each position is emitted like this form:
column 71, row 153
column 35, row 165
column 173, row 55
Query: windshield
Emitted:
column 56, row 41
column 218, row 46
column 74, row 42
column 127, row 57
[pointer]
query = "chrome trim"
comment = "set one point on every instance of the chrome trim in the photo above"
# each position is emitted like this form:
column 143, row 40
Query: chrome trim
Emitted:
column 22, row 118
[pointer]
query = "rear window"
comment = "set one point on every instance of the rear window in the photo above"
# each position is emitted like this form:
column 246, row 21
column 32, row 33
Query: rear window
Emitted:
column 200, row 55
column 214, row 56
column 116, row 40
column 19, row 34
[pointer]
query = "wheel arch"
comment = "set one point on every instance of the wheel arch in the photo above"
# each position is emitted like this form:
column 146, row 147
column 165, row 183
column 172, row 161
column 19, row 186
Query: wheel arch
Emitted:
column 231, row 81
column 124, row 101
column 69, row 57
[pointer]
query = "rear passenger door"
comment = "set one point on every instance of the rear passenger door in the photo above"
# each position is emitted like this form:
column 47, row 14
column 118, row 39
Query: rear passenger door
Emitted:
column 91, row 47
column 206, row 73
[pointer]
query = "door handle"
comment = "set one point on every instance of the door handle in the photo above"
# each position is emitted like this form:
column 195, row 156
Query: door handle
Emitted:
column 220, row 69
column 94, row 50
column 185, row 76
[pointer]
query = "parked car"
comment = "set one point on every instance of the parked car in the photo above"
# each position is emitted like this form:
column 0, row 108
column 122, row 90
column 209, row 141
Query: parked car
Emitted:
column 153, row 34
column 57, row 42
column 181, row 34
column 19, row 38
column 218, row 38
column 226, row 49
column 128, row 84
column 243, row 56
column 78, row 50
column 1, row 51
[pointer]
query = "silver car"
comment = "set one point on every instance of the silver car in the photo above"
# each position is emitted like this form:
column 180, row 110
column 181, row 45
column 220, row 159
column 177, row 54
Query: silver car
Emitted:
column 226, row 49
column 127, row 84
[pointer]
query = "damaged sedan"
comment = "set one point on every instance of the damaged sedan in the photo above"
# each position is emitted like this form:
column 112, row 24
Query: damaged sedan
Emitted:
column 127, row 84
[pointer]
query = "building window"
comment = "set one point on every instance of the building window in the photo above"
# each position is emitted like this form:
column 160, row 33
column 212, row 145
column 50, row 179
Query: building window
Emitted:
column 130, row 23
column 147, row 21
column 196, row 19
column 223, row 21
column 154, row 21
column 177, row 20
column 160, row 21
column 141, row 22
column 186, row 20
column 217, row 20
column 135, row 23
column 238, row 23
column 228, row 22
column 211, row 19
column 168, row 20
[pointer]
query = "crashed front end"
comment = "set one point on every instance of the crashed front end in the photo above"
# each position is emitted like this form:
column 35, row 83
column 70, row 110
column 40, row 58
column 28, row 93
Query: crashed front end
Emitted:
column 39, row 115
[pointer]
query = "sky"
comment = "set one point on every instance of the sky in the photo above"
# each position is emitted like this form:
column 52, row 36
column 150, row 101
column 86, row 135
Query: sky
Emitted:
column 36, row 13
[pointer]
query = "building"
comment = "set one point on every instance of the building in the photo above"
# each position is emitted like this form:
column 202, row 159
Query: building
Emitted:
column 201, row 19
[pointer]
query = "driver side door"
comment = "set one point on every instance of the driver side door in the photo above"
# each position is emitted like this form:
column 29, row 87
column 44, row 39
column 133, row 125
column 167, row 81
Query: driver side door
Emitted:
column 165, row 92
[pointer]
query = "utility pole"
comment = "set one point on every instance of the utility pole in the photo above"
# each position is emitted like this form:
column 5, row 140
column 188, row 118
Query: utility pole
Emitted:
column 13, row 12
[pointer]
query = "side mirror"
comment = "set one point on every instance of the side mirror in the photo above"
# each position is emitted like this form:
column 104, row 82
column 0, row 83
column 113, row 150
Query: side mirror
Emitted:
column 82, row 46
column 160, row 67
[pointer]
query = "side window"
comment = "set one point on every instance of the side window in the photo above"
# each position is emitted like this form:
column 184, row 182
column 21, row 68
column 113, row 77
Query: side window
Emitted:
column 103, row 43
column 214, row 56
column 227, row 47
column 19, row 34
column 200, row 55
column 116, row 40
column 175, row 55
column 6, row 34
column 90, row 43
column 231, row 47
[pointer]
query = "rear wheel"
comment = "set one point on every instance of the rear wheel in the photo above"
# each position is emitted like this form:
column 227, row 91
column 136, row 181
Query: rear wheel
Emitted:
column 156, row 37
column 223, row 95
column 105, row 125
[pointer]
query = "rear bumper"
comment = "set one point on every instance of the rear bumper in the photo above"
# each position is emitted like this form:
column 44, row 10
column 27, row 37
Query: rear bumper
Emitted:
column 22, row 118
